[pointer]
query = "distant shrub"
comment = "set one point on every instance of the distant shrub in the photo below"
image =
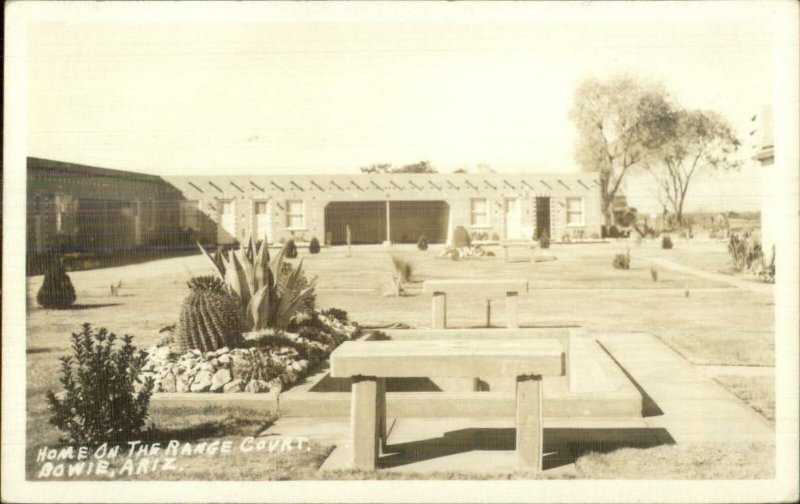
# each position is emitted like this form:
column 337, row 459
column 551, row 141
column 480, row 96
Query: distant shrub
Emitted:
column 613, row 232
column 461, row 237
column 745, row 252
column 595, row 236
column 336, row 313
column 622, row 261
column 403, row 268
column 99, row 401
column 57, row 290
column 666, row 242
column 422, row 243
column 495, row 237
column 313, row 246
column 566, row 238
column 290, row 249
column 544, row 239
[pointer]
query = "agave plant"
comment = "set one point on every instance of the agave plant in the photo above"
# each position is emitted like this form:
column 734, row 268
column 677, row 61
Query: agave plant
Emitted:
column 250, row 274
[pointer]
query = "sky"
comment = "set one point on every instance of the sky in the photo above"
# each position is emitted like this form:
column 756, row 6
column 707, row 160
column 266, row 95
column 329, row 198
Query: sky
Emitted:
column 309, row 96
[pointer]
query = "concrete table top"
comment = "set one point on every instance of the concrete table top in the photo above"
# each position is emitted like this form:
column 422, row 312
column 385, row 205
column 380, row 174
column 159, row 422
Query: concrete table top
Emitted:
column 448, row 358
column 501, row 285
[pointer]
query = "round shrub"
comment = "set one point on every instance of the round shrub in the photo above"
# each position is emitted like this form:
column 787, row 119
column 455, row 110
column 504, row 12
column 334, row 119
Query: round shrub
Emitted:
column 622, row 261
column 57, row 290
column 290, row 249
column 461, row 237
column 666, row 242
column 544, row 239
column 100, row 401
column 313, row 246
column 422, row 243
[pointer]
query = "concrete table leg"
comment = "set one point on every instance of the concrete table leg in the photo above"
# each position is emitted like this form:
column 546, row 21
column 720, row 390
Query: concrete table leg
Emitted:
column 363, row 422
column 529, row 422
column 381, row 414
column 439, row 310
column 512, row 310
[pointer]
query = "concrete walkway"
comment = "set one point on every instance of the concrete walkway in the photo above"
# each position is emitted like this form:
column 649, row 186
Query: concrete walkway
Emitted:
column 680, row 397
column 751, row 285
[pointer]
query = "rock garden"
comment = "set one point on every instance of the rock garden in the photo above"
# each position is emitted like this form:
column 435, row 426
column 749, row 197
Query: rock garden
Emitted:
column 253, row 327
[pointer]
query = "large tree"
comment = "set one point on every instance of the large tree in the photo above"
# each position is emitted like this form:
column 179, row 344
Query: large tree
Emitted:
column 695, row 141
column 619, row 121
column 421, row 167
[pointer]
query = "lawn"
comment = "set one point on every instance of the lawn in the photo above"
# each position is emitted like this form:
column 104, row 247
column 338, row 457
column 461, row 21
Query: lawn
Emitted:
column 714, row 324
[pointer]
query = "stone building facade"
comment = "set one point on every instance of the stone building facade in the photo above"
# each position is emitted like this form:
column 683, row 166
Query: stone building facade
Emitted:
column 87, row 209
column 396, row 208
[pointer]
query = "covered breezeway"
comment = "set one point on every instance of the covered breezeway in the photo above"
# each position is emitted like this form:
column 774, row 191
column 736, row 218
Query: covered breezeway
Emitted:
column 372, row 222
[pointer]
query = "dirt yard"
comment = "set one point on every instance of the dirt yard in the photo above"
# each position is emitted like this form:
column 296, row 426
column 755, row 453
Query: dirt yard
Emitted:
column 707, row 322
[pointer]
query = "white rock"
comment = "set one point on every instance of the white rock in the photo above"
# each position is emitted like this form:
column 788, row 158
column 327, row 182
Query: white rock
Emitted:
column 236, row 385
column 220, row 379
column 168, row 383
column 202, row 382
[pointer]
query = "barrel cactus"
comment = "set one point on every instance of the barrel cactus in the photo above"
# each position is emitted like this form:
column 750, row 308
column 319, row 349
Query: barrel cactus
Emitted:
column 210, row 317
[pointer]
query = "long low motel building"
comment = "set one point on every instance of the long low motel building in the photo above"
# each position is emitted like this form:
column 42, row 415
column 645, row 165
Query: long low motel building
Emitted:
column 377, row 208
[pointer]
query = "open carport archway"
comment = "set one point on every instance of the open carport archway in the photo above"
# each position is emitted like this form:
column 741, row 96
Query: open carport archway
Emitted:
column 407, row 221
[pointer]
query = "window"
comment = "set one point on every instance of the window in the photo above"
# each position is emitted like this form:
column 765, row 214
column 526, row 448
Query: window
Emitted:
column 575, row 212
column 479, row 212
column 261, row 207
column 295, row 218
column 190, row 214
column 228, row 208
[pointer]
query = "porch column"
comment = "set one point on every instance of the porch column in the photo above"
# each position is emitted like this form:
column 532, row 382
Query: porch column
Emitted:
column 388, row 224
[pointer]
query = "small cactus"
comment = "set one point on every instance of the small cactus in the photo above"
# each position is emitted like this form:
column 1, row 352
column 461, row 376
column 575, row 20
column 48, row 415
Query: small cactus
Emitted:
column 209, row 317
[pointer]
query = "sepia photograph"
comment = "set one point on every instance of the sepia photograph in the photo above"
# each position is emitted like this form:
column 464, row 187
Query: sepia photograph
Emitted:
column 400, row 252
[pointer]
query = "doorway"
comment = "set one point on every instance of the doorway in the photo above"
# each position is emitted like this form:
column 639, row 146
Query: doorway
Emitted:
column 542, row 217
column 512, row 219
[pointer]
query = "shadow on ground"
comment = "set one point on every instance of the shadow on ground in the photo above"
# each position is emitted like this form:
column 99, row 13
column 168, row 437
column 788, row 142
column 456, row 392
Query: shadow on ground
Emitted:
column 561, row 446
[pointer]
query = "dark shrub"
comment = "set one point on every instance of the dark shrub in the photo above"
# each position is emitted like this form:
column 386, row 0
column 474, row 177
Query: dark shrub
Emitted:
column 336, row 313
column 422, row 243
column 313, row 246
column 622, row 261
column 57, row 290
column 613, row 232
column 290, row 250
column 666, row 242
column 544, row 239
column 100, row 401
column 461, row 237
column 495, row 237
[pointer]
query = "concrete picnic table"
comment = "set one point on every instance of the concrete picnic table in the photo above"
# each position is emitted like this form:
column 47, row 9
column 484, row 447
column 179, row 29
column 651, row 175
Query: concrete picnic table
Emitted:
column 369, row 363
column 510, row 288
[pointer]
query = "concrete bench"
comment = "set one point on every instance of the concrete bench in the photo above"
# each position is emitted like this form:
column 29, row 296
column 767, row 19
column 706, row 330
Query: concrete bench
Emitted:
column 369, row 363
column 486, row 289
column 529, row 246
